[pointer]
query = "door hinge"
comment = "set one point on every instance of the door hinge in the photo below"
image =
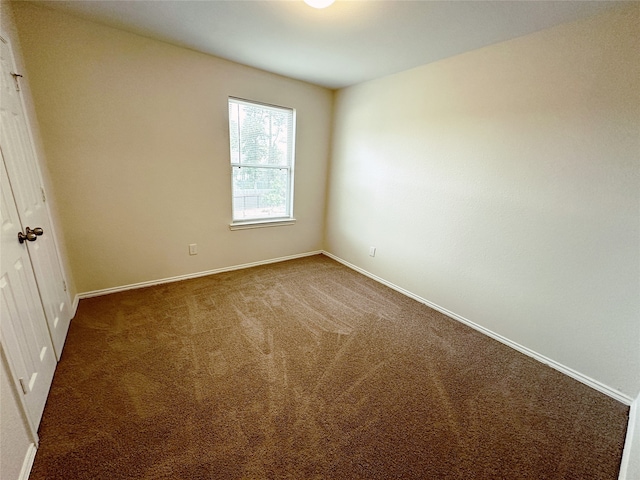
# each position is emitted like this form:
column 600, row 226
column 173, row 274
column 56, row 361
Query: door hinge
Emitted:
column 24, row 387
column 64, row 285
column 44, row 197
column 15, row 79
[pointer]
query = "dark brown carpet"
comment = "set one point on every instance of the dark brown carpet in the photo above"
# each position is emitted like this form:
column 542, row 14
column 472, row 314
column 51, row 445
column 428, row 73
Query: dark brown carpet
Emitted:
column 308, row 370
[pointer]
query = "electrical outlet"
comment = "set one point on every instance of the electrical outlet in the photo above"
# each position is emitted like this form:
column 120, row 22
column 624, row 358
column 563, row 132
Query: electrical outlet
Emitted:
column 193, row 249
column 372, row 251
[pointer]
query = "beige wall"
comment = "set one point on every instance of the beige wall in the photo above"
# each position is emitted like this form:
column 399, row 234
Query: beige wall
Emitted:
column 503, row 185
column 136, row 137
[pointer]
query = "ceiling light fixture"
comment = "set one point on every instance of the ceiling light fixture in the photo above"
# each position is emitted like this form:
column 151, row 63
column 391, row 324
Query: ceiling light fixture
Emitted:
column 319, row 3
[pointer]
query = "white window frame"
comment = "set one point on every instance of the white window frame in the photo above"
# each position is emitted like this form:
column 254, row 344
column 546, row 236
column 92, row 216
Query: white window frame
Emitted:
column 288, row 218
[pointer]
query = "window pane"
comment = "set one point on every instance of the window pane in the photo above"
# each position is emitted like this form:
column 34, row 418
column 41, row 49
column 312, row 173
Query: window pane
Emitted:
column 260, row 135
column 260, row 192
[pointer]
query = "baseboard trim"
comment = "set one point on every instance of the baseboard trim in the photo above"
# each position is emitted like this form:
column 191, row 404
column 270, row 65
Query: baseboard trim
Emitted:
column 621, row 397
column 27, row 464
column 133, row 286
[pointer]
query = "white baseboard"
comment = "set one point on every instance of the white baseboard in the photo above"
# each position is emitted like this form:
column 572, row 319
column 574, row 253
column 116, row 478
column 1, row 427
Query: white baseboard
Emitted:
column 27, row 464
column 621, row 397
column 632, row 437
column 106, row 291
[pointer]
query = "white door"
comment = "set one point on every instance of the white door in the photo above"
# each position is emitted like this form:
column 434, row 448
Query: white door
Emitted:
column 23, row 328
column 22, row 167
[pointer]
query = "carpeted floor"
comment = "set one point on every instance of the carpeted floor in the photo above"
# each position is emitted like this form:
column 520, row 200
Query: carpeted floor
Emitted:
column 308, row 370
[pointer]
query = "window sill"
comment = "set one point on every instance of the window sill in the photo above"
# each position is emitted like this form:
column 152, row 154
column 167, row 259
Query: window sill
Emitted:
column 262, row 223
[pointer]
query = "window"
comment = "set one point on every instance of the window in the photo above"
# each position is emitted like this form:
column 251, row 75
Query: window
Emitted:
column 262, row 156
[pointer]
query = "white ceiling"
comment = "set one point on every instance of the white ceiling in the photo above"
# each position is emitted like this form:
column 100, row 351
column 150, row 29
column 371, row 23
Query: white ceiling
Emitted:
column 344, row 44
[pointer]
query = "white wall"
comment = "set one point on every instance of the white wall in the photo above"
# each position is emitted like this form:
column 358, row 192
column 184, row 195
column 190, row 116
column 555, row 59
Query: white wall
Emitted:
column 136, row 136
column 503, row 185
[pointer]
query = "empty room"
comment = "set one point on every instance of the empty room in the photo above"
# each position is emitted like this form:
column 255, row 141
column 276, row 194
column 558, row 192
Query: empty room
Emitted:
column 295, row 239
